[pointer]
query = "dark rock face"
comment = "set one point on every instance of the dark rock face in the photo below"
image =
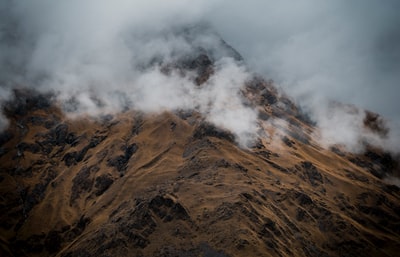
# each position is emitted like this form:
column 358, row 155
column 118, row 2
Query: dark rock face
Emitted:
column 269, row 98
column 121, row 161
column 53, row 242
column 132, row 224
column 48, row 243
column 311, row 173
column 59, row 135
column 375, row 123
column 27, row 100
column 287, row 141
column 72, row 158
column 378, row 164
column 5, row 137
column 203, row 66
column 103, row 182
column 82, row 182
column 208, row 130
column 167, row 210
column 33, row 148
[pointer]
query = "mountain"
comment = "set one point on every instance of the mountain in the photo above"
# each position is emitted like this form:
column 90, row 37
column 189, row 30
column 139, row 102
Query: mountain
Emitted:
column 172, row 183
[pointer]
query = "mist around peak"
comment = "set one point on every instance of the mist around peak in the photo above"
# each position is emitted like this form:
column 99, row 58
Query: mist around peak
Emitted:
column 99, row 57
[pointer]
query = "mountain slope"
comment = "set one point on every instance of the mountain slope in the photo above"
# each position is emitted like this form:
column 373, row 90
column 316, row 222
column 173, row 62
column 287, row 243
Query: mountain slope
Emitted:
column 172, row 184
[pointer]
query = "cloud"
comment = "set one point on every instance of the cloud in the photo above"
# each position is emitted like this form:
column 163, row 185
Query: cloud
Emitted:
column 346, row 51
column 321, row 52
column 101, row 56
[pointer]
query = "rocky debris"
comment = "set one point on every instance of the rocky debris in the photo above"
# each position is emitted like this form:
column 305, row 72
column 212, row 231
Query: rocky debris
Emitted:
column 209, row 130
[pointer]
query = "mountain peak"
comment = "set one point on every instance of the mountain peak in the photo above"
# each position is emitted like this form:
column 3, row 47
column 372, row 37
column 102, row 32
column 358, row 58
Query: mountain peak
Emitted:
column 199, row 157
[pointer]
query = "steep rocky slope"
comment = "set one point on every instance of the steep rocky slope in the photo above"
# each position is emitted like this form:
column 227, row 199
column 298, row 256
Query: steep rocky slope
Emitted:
column 172, row 184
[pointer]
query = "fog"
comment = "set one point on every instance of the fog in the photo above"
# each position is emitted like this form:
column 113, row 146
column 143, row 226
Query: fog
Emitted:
column 321, row 52
column 343, row 50
column 103, row 56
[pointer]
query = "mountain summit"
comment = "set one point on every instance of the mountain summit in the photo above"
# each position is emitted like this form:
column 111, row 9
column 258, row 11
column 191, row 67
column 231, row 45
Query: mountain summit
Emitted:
column 235, row 169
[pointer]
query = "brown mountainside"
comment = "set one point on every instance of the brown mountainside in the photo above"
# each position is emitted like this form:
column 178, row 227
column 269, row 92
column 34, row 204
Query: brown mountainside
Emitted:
column 172, row 184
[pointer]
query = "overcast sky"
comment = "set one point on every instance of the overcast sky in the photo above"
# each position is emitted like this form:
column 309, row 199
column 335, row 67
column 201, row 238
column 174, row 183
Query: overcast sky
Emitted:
column 343, row 50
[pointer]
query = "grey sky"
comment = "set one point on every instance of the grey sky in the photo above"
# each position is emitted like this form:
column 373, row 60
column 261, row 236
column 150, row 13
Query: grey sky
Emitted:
column 343, row 50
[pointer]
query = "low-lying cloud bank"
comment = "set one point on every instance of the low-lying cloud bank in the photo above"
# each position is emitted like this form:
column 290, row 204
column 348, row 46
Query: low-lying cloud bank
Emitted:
column 101, row 56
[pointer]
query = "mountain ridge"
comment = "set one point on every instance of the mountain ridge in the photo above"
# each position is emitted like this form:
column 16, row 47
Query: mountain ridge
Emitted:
column 172, row 183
